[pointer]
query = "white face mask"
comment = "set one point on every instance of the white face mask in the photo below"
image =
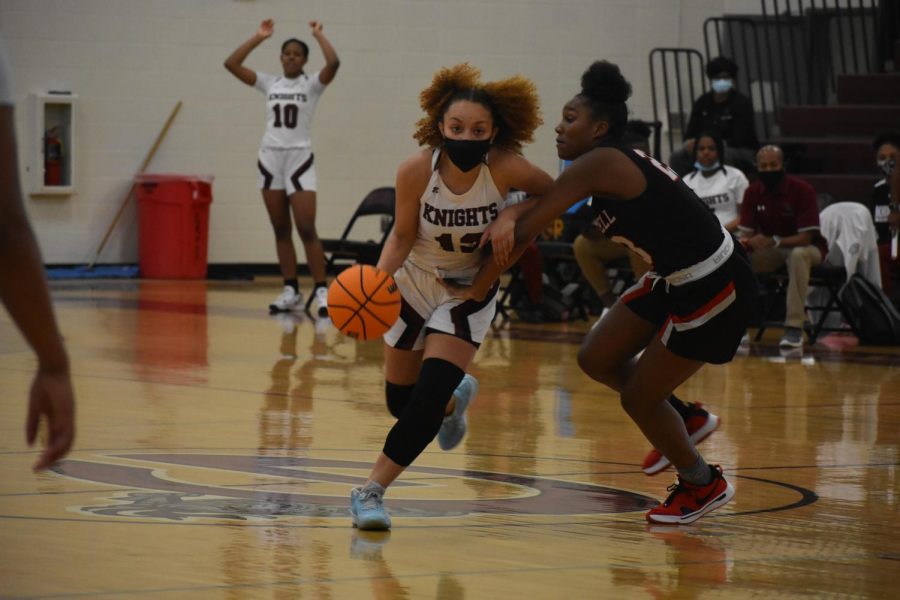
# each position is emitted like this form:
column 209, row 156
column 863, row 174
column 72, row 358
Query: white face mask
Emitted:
column 887, row 166
column 722, row 86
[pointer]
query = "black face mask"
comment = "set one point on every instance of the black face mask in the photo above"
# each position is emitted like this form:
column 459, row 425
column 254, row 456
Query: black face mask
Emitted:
column 771, row 179
column 466, row 154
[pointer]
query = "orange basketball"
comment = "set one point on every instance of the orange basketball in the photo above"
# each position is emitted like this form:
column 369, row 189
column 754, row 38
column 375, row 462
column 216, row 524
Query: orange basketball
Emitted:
column 363, row 302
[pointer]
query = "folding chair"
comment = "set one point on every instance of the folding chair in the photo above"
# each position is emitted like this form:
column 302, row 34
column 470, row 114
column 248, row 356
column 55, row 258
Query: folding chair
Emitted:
column 349, row 249
column 828, row 278
column 562, row 269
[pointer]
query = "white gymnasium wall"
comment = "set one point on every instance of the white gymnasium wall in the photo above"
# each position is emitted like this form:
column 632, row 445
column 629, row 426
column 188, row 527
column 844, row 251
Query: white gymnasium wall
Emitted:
column 130, row 61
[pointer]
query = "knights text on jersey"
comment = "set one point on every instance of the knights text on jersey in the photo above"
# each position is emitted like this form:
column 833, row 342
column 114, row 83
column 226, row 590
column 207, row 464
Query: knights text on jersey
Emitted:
column 290, row 104
column 451, row 225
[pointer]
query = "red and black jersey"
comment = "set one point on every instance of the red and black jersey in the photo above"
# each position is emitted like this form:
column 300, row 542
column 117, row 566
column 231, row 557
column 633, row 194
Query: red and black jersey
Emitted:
column 667, row 224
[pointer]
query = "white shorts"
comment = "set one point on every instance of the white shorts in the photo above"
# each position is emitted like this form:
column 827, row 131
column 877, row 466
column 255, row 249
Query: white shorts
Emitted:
column 288, row 169
column 426, row 307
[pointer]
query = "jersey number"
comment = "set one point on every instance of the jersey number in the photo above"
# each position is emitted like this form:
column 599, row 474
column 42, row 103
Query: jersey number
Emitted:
column 290, row 115
column 467, row 243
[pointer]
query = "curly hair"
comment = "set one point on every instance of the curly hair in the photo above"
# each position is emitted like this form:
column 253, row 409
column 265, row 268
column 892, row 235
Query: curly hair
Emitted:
column 513, row 103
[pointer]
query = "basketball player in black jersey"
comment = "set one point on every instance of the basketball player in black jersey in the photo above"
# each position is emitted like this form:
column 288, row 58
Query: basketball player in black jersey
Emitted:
column 691, row 309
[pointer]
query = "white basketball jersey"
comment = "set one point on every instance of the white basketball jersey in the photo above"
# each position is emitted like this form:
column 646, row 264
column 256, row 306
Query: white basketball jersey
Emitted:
column 450, row 225
column 290, row 104
column 723, row 192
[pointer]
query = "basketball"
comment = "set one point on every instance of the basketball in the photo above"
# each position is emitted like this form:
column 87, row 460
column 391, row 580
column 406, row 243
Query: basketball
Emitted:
column 363, row 302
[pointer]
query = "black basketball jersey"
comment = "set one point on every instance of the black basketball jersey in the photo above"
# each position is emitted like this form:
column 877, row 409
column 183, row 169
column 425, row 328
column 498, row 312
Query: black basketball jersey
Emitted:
column 667, row 224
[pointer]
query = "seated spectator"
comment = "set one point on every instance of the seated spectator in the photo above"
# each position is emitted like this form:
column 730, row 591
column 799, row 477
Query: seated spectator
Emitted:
column 531, row 266
column 780, row 226
column 721, row 187
column 884, row 211
column 594, row 251
column 725, row 111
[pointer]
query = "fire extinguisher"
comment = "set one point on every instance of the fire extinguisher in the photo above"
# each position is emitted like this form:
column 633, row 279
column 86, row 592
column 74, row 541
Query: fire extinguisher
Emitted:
column 53, row 156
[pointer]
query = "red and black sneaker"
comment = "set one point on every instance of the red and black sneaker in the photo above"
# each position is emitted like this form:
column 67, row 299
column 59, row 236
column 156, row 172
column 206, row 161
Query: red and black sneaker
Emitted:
column 688, row 502
column 700, row 423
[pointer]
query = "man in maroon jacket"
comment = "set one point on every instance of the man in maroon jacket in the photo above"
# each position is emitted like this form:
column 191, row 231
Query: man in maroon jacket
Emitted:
column 780, row 226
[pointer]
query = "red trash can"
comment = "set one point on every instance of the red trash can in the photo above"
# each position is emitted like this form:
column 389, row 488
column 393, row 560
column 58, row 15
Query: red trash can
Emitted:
column 173, row 216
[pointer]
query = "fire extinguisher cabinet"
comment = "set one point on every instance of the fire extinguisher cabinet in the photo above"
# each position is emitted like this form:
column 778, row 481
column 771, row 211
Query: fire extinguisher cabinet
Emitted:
column 52, row 165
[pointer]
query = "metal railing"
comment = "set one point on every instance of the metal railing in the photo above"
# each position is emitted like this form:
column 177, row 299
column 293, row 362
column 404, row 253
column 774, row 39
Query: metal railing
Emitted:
column 792, row 53
column 811, row 42
column 682, row 82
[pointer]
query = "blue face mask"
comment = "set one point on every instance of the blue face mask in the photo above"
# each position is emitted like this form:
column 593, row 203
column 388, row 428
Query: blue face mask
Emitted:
column 722, row 86
column 713, row 167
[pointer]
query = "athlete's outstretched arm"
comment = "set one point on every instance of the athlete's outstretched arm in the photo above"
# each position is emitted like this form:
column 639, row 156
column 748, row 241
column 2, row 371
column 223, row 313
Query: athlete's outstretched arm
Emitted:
column 520, row 174
column 412, row 177
column 23, row 289
column 575, row 183
column 235, row 61
column 332, row 62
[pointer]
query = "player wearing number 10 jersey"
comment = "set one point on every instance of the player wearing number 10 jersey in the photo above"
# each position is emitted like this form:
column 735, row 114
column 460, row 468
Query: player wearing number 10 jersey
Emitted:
column 286, row 173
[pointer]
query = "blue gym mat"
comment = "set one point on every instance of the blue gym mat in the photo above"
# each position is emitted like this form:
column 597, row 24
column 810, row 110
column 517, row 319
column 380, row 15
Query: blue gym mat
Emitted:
column 96, row 272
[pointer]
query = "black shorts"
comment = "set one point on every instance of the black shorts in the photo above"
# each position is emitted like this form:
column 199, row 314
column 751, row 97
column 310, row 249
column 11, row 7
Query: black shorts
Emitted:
column 704, row 319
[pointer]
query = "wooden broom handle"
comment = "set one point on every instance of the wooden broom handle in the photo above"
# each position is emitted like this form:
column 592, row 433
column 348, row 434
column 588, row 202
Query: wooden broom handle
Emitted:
column 128, row 194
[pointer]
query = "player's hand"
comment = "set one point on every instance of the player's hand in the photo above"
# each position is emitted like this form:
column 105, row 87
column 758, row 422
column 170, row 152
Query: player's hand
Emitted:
column 266, row 29
column 460, row 290
column 502, row 235
column 316, row 27
column 51, row 397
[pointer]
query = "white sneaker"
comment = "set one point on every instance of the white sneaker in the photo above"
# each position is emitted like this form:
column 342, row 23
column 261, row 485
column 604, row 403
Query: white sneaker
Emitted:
column 321, row 302
column 288, row 300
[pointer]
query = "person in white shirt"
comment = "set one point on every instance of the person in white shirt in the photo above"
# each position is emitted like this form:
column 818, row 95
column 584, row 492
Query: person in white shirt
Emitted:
column 720, row 186
column 287, row 177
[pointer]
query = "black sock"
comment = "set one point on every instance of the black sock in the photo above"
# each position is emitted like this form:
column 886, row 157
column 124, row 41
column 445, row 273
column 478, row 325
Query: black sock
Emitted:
column 680, row 406
column 293, row 283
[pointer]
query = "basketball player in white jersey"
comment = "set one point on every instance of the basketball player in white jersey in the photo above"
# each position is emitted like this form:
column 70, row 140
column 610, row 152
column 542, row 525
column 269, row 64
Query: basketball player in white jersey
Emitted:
column 450, row 200
column 287, row 176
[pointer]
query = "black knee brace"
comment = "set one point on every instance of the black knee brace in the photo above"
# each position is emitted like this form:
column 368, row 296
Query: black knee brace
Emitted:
column 421, row 420
column 398, row 397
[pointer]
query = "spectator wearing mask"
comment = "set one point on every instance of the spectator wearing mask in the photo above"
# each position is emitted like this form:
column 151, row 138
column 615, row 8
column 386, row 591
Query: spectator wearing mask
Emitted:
column 720, row 187
column 780, row 227
column 884, row 210
column 722, row 110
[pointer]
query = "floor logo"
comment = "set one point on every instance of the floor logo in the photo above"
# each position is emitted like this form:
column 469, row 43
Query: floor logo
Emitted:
column 162, row 498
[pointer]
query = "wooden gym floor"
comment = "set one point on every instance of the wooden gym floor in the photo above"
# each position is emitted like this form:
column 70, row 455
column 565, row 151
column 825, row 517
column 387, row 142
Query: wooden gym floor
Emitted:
column 217, row 446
